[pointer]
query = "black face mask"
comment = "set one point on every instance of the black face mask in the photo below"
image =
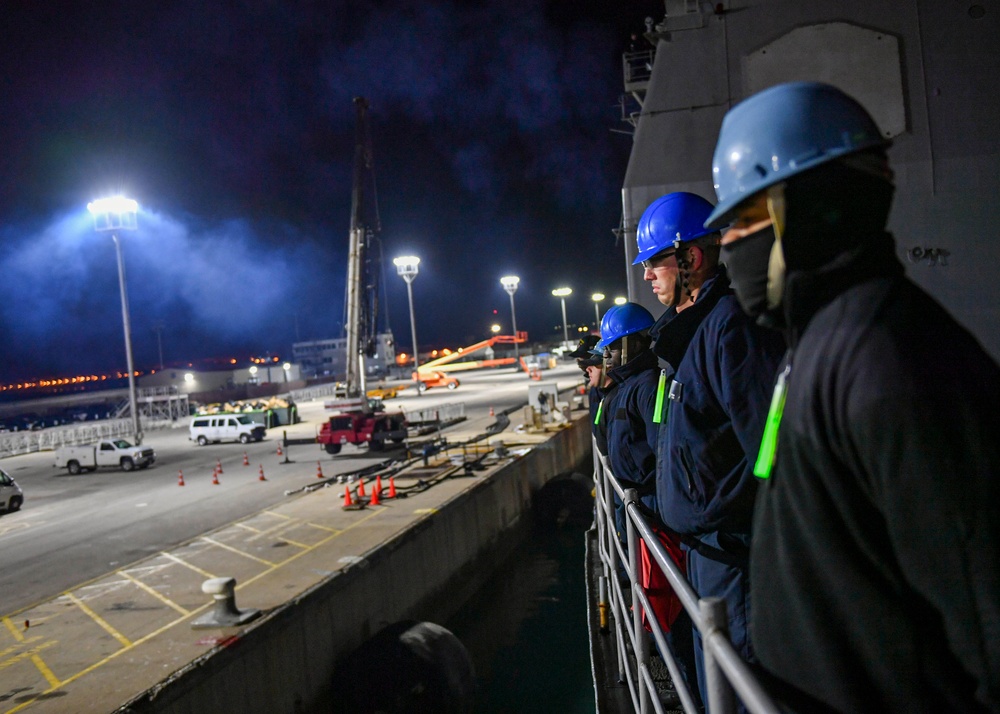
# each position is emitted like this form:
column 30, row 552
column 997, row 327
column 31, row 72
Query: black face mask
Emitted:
column 746, row 262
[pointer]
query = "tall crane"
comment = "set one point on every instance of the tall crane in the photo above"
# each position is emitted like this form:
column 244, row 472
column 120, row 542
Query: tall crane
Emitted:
column 364, row 258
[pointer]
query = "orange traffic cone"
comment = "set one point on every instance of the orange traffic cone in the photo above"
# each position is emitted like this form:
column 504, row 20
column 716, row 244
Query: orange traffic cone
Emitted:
column 180, row 477
column 392, row 487
column 374, row 501
column 319, row 470
column 261, row 477
column 378, row 482
column 280, row 452
column 348, row 501
column 215, row 477
column 361, row 487
column 218, row 465
column 246, row 461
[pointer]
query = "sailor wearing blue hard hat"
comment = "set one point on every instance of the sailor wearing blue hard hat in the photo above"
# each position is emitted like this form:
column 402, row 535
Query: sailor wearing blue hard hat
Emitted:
column 676, row 252
column 716, row 369
column 877, row 522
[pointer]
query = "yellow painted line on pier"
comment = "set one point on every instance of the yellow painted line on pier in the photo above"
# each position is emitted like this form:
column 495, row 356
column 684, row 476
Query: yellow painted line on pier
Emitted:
column 311, row 548
column 276, row 528
column 128, row 646
column 104, row 661
column 425, row 510
column 122, row 639
column 13, row 629
column 279, row 515
column 246, row 527
column 179, row 561
column 323, row 528
column 152, row 591
column 293, row 542
column 238, row 551
column 32, row 653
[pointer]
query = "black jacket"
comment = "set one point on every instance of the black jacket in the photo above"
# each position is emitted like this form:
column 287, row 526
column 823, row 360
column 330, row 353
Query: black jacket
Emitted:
column 875, row 561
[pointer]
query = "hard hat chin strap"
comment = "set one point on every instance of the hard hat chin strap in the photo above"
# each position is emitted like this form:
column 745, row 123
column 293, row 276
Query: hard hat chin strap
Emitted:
column 776, row 260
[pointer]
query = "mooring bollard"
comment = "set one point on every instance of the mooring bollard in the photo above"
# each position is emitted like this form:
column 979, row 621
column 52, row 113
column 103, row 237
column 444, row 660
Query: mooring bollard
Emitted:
column 224, row 613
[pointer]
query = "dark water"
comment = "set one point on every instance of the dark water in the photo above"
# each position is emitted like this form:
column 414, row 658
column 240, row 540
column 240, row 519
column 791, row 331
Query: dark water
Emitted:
column 526, row 629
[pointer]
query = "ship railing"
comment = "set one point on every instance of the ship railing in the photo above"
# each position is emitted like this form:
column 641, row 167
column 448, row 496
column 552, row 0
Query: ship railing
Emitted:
column 727, row 674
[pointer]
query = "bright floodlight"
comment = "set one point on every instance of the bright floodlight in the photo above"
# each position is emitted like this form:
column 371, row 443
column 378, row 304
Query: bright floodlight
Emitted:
column 286, row 366
column 407, row 266
column 620, row 300
column 509, row 283
column 562, row 292
column 597, row 297
column 114, row 213
column 494, row 328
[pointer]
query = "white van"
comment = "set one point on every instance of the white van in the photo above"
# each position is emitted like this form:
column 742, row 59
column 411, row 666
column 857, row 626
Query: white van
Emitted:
column 225, row 427
column 11, row 496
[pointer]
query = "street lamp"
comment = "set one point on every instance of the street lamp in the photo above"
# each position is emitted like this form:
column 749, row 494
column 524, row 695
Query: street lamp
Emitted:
column 285, row 367
column 112, row 215
column 620, row 300
column 509, row 283
column 562, row 294
column 597, row 297
column 408, row 266
column 495, row 329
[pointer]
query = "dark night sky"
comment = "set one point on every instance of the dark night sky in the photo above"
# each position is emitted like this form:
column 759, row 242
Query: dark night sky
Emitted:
column 233, row 126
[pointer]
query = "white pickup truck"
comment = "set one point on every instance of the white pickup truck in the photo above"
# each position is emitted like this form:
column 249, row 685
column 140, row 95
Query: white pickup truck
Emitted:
column 110, row 452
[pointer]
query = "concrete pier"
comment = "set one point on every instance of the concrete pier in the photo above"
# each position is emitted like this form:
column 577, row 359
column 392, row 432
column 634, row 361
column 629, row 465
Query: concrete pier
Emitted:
column 325, row 579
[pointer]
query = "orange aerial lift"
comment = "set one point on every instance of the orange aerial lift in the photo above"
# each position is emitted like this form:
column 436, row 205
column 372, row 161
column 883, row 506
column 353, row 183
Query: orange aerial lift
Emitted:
column 432, row 373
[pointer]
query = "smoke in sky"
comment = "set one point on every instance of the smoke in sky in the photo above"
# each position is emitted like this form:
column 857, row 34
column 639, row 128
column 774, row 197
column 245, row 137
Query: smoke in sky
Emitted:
column 220, row 286
column 234, row 127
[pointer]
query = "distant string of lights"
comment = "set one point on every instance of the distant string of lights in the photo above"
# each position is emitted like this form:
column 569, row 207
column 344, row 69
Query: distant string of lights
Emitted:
column 90, row 379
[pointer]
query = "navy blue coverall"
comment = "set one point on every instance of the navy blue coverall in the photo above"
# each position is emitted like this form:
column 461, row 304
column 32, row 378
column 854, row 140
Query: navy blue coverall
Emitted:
column 627, row 413
column 705, row 484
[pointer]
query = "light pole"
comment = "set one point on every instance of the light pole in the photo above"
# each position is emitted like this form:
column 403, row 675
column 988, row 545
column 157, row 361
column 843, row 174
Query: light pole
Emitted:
column 597, row 297
column 562, row 294
column 112, row 215
column 509, row 283
column 620, row 300
column 408, row 266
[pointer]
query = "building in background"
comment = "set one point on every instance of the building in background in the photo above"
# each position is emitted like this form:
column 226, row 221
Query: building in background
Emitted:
column 328, row 358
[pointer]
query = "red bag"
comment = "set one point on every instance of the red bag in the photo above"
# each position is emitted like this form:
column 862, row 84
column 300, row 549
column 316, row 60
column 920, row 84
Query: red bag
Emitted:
column 664, row 601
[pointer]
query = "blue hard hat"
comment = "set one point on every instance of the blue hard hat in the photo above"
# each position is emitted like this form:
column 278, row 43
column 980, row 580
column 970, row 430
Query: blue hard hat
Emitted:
column 623, row 320
column 783, row 131
column 676, row 217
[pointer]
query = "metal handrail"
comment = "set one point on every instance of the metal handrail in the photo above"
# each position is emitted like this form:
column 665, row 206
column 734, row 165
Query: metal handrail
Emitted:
column 727, row 675
column 27, row 442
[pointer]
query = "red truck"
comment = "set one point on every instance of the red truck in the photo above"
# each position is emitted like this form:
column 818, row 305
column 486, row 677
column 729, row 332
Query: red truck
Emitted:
column 355, row 424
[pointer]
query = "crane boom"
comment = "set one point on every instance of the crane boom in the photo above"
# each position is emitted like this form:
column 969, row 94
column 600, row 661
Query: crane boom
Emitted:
column 363, row 275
